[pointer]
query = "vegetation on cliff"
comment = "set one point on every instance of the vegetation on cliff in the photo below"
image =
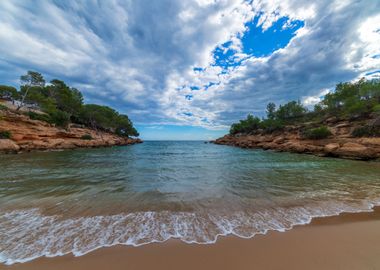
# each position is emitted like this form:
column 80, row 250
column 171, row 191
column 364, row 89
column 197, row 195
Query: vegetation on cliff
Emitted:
column 62, row 105
column 350, row 100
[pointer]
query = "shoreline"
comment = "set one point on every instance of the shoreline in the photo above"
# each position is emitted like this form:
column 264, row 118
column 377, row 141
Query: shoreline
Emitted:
column 344, row 148
column 307, row 246
column 27, row 135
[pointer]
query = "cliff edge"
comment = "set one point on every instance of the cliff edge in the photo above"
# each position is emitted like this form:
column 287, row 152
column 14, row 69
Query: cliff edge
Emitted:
column 26, row 134
column 341, row 143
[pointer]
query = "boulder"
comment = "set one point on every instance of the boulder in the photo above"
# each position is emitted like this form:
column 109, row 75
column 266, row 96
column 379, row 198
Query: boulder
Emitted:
column 8, row 146
column 295, row 146
column 355, row 151
column 331, row 147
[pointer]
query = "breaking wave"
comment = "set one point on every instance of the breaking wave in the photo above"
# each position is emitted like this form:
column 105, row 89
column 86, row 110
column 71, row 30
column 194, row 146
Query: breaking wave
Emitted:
column 27, row 234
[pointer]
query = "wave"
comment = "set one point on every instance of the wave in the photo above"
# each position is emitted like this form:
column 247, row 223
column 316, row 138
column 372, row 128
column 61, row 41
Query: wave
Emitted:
column 28, row 234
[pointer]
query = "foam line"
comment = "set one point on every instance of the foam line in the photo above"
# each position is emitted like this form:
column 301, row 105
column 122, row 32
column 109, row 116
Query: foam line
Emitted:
column 27, row 234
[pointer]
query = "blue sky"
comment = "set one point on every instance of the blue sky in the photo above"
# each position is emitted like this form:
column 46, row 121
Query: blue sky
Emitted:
column 188, row 69
column 178, row 132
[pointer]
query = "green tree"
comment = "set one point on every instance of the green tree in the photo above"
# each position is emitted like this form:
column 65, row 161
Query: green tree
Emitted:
column 124, row 126
column 271, row 110
column 8, row 92
column 251, row 123
column 350, row 99
column 106, row 118
column 37, row 95
column 290, row 111
column 63, row 104
column 69, row 100
column 31, row 79
column 60, row 118
column 370, row 92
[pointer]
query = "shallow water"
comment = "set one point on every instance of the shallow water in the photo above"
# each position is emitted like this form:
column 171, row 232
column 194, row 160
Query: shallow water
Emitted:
column 54, row 203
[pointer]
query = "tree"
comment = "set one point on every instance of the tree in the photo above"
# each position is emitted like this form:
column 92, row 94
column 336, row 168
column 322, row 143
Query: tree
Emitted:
column 358, row 99
column 8, row 92
column 37, row 95
column 290, row 111
column 98, row 116
column 251, row 123
column 271, row 110
column 124, row 127
column 60, row 118
column 371, row 90
column 69, row 100
column 353, row 98
column 31, row 79
column 62, row 104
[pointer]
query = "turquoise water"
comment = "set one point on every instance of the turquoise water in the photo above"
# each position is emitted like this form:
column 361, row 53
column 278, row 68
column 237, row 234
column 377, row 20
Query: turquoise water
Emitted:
column 54, row 203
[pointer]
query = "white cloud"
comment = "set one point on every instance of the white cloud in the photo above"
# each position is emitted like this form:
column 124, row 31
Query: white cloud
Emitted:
column 313, row 100
column 135, row 55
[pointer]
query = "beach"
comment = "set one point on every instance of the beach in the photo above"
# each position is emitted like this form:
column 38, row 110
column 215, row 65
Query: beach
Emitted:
column 187, row 205
column 186, row 135
column 347, row 241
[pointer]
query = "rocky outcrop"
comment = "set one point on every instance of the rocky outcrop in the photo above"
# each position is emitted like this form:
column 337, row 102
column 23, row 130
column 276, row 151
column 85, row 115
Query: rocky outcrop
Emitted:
column 341, row 144
column 8, row 146
column 27, row 135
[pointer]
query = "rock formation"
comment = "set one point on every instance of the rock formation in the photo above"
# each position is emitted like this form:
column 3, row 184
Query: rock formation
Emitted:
column 341, row 144
column 27, row 135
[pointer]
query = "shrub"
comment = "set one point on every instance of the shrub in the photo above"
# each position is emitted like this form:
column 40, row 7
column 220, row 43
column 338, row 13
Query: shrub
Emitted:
column 376, row 108
column 271, row 125
column 40, row 117
column 317, row 133
column 3, row 108
column 366, row 131
column 8, row 92
column 60, row 118
column 358, row 107
column 5, row 134
column 86, row 137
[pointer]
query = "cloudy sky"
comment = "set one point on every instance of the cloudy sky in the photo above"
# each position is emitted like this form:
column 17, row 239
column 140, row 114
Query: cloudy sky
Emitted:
column 188, row 69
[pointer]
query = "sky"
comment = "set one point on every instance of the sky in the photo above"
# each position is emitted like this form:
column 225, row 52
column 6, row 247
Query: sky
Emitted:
column 186, row 70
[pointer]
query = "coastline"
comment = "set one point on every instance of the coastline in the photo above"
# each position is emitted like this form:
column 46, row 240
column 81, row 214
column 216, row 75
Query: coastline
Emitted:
column 29, row 135
column 346, row 241
column 339, row 145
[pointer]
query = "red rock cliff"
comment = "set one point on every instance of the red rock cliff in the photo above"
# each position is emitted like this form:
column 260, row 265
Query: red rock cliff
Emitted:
column 27, row 135
column 340, row 144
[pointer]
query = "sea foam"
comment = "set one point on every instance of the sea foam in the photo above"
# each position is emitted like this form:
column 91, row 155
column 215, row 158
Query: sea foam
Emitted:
column 28, row 234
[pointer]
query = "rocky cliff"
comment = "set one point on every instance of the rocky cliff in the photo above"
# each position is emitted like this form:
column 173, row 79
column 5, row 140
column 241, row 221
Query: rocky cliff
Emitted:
column 27, row 135
column 340, row 144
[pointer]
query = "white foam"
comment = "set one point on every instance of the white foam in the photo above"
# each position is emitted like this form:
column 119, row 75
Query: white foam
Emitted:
column 27, row 234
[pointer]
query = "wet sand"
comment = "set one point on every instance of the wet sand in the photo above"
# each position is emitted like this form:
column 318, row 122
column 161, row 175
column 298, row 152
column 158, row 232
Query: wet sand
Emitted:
column 348, row 241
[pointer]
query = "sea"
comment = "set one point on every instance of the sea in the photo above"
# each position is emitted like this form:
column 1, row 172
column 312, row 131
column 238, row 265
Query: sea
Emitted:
column 75, row 201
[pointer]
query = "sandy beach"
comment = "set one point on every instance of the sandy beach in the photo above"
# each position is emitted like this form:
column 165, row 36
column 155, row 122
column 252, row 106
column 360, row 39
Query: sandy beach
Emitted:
column 348, row 241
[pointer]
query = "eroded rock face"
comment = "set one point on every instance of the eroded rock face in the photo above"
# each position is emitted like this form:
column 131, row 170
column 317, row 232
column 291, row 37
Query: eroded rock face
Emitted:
column 30, row 135
column 331, row 148
column 8, row 146
column 355, row 151
column 341, row 144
